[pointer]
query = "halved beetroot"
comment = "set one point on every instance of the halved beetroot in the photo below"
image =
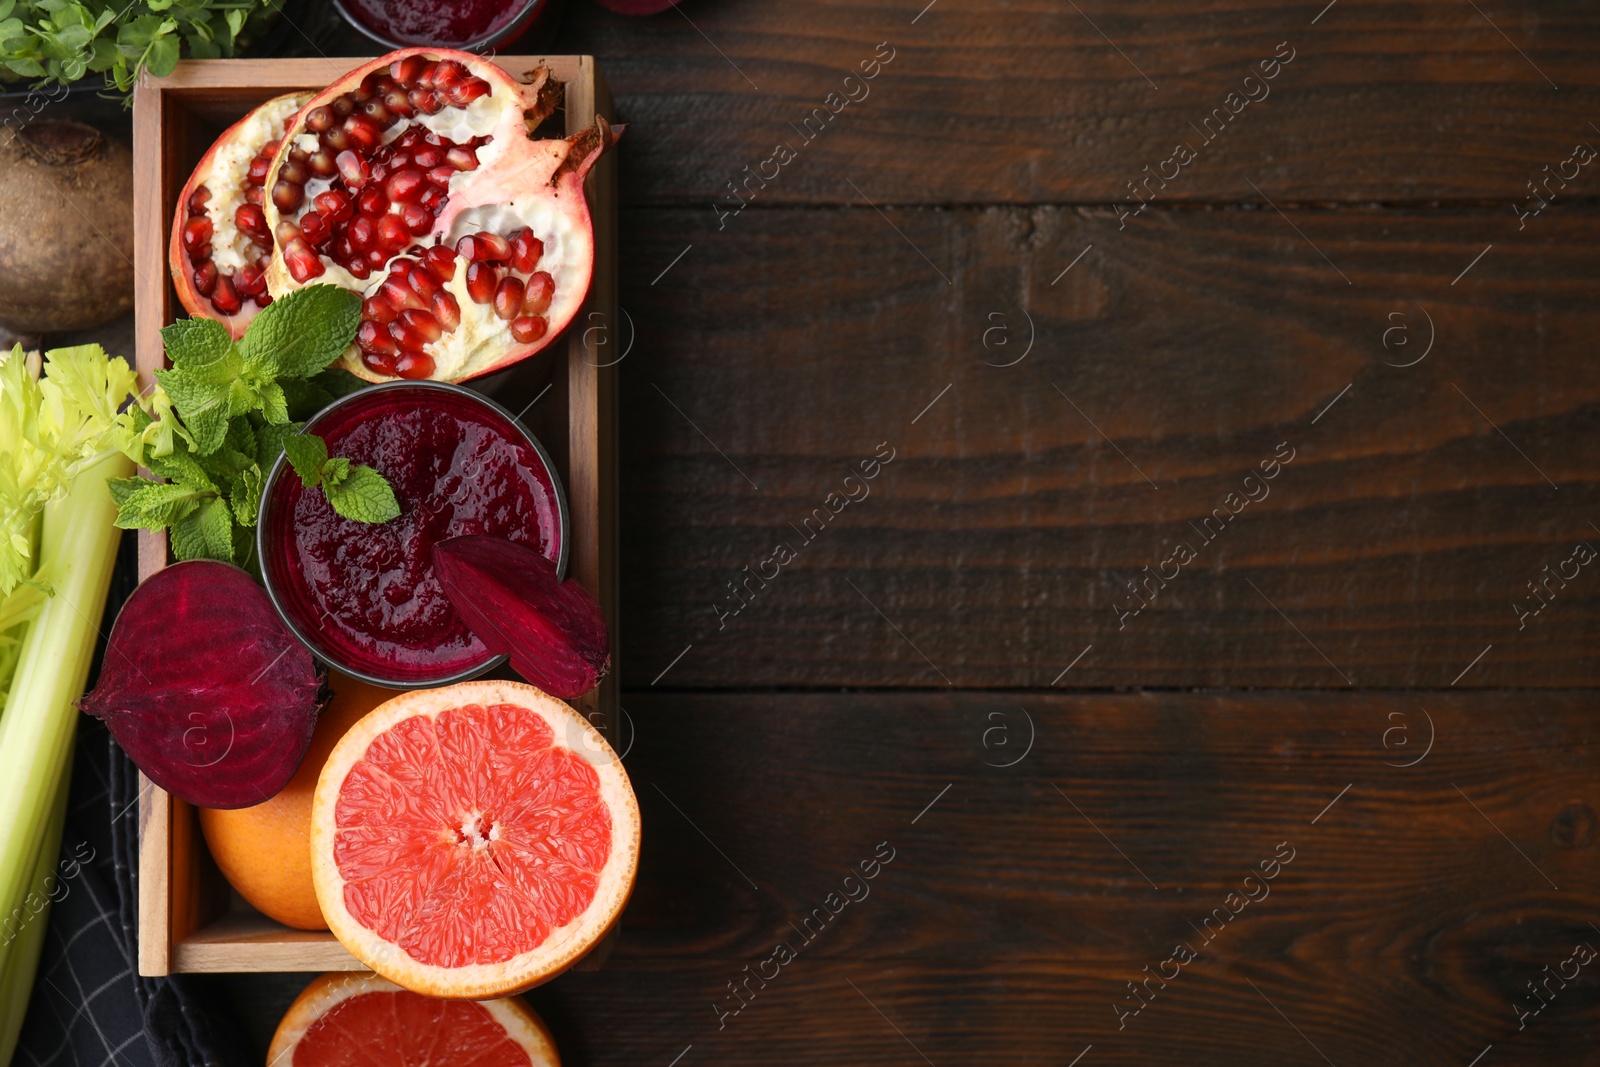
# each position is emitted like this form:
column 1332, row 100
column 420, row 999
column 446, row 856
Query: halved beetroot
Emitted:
column 512, row 600
column 221, row 244
column 206, row 689
column 415, row 181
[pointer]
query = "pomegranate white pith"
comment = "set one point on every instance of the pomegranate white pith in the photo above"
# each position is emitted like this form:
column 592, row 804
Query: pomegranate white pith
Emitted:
column 414, row 181
column 220, row 242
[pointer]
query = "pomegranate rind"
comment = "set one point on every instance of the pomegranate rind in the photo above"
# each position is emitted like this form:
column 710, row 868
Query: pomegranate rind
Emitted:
column 565, row 945
column 528, row 169
column 178, row 263
column 328, row 991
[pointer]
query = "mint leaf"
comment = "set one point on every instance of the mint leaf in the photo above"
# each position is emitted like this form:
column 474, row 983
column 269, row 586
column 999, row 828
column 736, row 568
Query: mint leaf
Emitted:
column 246, row 496
column 274, row 406
column 363, row 496
column 335, row 471
column 269, row 442
column 157, row 504
column 186, row 539
column 180, row 466
column 216, row 527
column 299, row 334
column 203, row 407
column 195, row 344
column 122, row 488
column 307, row 454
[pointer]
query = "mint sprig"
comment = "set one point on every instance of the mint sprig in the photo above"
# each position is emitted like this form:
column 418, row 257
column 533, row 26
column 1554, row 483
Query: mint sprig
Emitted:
column 234, row 408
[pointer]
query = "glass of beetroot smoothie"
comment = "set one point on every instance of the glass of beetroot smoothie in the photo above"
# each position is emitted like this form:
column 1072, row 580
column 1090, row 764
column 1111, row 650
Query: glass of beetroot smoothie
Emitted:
column 364, row 597
column 471, row 25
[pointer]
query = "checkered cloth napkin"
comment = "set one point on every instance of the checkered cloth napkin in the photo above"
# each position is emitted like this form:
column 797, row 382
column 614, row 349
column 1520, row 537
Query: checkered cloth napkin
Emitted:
column 90, row 1008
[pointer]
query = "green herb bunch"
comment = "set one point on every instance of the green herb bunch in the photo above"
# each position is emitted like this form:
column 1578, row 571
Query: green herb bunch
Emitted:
column 226, row 410
column 63, row 40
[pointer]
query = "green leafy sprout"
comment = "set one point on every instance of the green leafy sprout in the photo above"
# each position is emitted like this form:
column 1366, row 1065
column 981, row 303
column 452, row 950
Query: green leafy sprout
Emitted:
column 225, row 410
column 61, row 41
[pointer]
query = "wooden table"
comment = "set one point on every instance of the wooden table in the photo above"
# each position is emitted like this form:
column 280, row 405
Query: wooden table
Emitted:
column 1083, row 745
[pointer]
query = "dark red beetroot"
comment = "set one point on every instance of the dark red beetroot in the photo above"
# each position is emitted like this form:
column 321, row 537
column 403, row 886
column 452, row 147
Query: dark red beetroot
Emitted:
column 512, row 600
column 205, row 688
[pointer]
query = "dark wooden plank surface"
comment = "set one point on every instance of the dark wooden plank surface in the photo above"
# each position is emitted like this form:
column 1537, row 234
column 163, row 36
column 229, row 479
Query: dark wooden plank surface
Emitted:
column 998, row 542
column 1028, row 102
column 1016, row 906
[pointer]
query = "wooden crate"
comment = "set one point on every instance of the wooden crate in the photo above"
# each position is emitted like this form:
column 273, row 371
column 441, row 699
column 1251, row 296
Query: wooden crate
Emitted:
column 189, row 920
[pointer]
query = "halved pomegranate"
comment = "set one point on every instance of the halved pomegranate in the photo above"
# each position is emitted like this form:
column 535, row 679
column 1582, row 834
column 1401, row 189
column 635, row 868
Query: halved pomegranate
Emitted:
column 221, row 243
column 415, row 181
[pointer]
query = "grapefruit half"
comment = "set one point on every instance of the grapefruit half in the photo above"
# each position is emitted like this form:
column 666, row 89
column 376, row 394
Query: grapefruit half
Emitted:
column 473, row 841
column 361, row 1020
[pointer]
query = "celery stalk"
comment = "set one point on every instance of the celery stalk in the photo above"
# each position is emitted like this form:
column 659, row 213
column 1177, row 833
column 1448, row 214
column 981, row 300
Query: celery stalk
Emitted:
column 78, row 549
column 19, row 960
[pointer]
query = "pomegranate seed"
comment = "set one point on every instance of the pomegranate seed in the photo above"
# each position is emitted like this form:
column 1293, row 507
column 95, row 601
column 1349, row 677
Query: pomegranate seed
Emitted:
column 364, row 134
column 441, row 175
column 288, row 230
column 441, row 261
column 414, row 365
column 413, row 329
column 294, row 172
column 405, row 185
column 448, row 73
column 426, row 101
column 224, row 298
column 263, row 300
column 358, row 268
column 334, row 206
column 362, row 232
column 372, row 202
column 257, row 174
column 508, row 298
column 314, row 227
column 372, row 337
column 477, row 247
column 340, row 249
column 481, row 281
column 250, row 281
column 302, row 261
column 433, row 199
column 352, row 168
column 464, row 93
column 399, row 295
column 425, row 76
column 428, row 156
column 399, row 103
column 380, row 362
column 198, row 200
column 362, row 93
column 374, row 110
column 418, row 219
column 405, row 71
column 287, row 195
column 526, row 250
column 392, row 233
column 540, row 289
column 342, row 105
column 422, row 282
column 205, row 278
column 322, row 164
column 401, row 267
column 254, row 194
column 528, row 328
column 197, row 236
column 318, row 119
column 376, row 257
column 446, row 309
column 462, row 158
column 253, row 223
column 377, row 309
column 335, row 140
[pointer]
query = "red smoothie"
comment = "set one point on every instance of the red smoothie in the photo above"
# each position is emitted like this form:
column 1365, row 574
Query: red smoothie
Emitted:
column 364, row 596
column 452, row 23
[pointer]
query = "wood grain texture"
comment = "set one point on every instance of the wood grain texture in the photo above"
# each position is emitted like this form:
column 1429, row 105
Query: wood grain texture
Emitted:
column 1177, row 353
column 1029, row 102
column 1402, row 931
